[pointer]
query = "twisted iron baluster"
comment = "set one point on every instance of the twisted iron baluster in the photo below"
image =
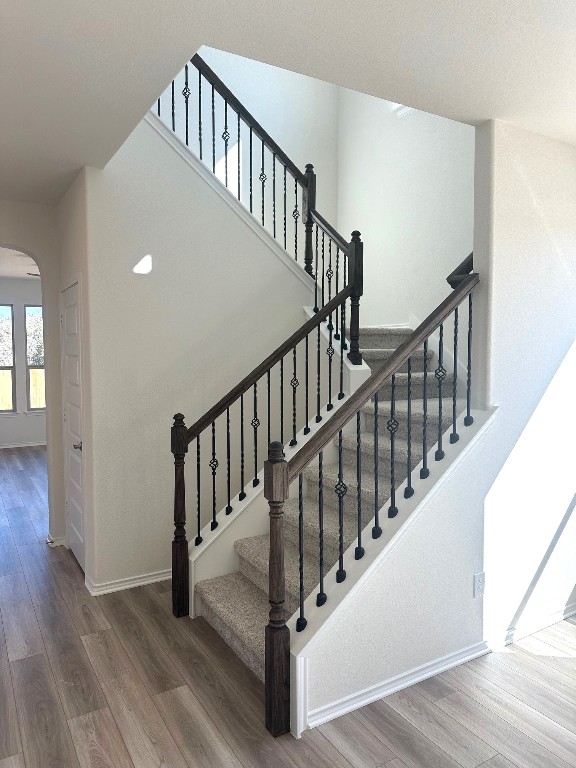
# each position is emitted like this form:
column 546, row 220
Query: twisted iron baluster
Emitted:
column 337, row 333
column 454, row 436
column 228, row 463
column 440, row 374
column 200, row 113
column 392, row 427
column 341, row 490
column 323, row 271
column 301, row 621
column 469, row 419
column 294, row 383
column 213, row 464
column 263, row 178
column 296, row 216
column 226, row 138
column 424, row 471
column 376, row 530
column 342, row 346
column 198, row 539
column 316, row 307
column 255, row 424
column 307, row 428
column 330, row 353
column 321, row 596
column 186, row 93
column 242, row 494
column 409, row 491
column 359, row 551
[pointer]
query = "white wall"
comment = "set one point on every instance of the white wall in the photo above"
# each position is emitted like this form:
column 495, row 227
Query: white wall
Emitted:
column 23, row 427
column 299, row 112
column 32, row 229
column 407, row 183
column 173, row 340
column 509, row 507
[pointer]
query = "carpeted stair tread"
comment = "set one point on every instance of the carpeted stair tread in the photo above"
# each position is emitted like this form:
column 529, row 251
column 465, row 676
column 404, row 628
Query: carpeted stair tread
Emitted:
column 238, row 611
column 376, row 358
column 383, row 338
column 254, row 553
column 384, row 448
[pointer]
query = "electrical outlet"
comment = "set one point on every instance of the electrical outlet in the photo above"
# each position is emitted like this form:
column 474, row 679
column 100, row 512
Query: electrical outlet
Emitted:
column 479, row 584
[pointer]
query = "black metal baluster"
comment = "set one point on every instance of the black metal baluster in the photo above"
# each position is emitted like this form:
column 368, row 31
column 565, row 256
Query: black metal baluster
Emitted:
column 321, row 596
column 409, row 490
column 301, row 621
column 213, row 134
column 337, row 333
column 469, row 419
column 359, row 551
column 226, row 138
column 242, row 494
column 424, row 471
column 200, row 113
column 454, row 436
column 307, row 427
column 269, row 409
column 274, row 194
column 440, row 374
column 330, row 353
column 186, row 93
column 323, row 271
column 342, row 347
column 296, row 216
column 318, row 376
column 213, row 463
column 250, row 169
column 343, row 318
column 329, row 276
column 173, row 108
column 285, row 208
column 392, row 426
column 228, row 464
column 263, row 178
column 282, row 401
column 198, row 539
column 294, row 383
column 158, row 107
column 238, row 152
column 376, row 530
column 341, row 490
column 316, row 307
column 255, row 424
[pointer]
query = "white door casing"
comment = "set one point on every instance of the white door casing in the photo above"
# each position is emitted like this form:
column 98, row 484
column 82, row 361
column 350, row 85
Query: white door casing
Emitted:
column 72, row 407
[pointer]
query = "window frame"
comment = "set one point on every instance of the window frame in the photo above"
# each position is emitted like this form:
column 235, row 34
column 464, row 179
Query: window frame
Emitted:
column 12, row 367
column 33, row 367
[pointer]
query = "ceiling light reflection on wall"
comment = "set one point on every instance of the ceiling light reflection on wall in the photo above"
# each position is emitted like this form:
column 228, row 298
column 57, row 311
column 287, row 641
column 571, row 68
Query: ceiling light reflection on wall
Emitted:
column 144, row 266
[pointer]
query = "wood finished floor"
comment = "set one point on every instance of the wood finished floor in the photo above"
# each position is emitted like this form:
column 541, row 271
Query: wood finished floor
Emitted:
column 117, row 682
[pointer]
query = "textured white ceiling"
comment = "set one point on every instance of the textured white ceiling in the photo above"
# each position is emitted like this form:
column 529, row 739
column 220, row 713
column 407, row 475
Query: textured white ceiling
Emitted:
column 76, row 76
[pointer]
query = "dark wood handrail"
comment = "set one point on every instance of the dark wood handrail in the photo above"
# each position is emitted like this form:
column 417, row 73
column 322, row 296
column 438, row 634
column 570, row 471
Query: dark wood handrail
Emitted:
column 330, row 231
column 268, row 363
column 330, row 429
column 248, row 118
column 461, row 272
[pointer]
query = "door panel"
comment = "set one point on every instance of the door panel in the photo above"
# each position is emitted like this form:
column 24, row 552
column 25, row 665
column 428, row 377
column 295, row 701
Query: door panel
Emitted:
column 73, row 420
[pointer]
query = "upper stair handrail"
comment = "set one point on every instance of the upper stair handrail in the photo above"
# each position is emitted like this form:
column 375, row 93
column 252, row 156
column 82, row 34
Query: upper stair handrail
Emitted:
column 461, row 272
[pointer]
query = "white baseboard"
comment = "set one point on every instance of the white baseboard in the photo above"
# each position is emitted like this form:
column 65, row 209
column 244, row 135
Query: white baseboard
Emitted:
column 530, row 628
column 132, row 581
column 59, row 542
column 20, row 445
column 355, row 701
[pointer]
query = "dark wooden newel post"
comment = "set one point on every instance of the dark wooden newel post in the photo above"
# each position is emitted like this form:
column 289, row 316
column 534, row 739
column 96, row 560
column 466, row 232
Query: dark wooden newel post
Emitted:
column 309, row 204
column 277, row 663
column 356, row 261
column 180, row 583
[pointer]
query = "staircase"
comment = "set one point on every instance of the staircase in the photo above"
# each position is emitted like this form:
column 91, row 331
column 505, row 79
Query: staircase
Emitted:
column 355, row 445
column 236, row 605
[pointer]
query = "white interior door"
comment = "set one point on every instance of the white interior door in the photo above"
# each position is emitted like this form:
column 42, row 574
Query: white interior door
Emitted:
column 70, row 324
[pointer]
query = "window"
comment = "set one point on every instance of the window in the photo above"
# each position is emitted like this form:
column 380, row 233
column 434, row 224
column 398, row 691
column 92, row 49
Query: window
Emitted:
column 35, row 358
column 7, row 380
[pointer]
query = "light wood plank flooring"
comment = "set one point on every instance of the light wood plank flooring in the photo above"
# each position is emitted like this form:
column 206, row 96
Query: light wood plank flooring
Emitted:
column 117, row 682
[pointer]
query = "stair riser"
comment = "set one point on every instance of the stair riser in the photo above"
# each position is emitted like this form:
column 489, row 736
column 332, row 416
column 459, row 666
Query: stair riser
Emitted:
column 417, row 424
column 383, row 339
column 331, row 539
column 231, row 639
column 350, row 499
column 385, row 392
column 375, row 364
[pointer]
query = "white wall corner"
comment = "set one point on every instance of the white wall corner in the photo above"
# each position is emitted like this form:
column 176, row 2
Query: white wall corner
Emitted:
column 298, row 695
